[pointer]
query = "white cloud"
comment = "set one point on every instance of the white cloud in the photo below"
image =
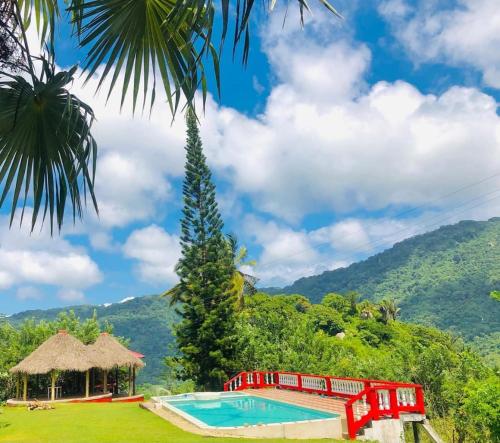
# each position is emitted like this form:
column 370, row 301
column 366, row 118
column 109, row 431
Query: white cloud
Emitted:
column 28, row 293
column 286, row 253
column 353, row 148
column 157, row 253
column 71, row 295
column 36, row 258
column 466, row 34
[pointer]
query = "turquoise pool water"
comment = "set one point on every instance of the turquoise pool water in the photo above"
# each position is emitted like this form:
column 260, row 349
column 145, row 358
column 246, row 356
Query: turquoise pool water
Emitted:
column 246, row 410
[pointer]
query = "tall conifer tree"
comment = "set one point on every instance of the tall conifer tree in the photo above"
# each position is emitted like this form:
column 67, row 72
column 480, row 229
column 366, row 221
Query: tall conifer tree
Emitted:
column 206, row 334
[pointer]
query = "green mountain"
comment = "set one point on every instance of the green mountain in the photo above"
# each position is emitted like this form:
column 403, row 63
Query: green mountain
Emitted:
column 145, row 321
column 442, row 278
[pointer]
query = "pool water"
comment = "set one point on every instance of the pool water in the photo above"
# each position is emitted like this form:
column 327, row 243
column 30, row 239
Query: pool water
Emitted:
column 244, row 410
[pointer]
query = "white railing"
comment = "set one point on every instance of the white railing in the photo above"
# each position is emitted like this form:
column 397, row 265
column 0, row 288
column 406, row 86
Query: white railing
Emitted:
column 406, row 396
column 249, row 378
column 269, row 378
column 289, row 380
column 384, row 402
column 350, row 387
column 361, row 408
column 235, row 383
column 317, row 383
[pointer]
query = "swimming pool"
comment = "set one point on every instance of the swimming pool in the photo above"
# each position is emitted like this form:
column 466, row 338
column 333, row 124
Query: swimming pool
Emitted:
column 237, row 410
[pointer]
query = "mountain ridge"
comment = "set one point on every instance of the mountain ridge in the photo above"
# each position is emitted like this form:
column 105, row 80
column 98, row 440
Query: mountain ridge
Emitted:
column 461, row 260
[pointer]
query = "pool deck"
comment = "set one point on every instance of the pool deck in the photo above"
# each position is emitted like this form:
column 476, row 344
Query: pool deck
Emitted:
column 313, row 401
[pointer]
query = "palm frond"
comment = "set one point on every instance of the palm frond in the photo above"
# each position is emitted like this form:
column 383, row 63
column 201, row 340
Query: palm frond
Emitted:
column 141, row 38
column 47, row 152
column 44, row 13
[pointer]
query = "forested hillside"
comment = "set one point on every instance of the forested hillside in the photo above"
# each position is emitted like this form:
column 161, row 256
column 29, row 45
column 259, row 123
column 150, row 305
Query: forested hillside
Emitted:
column 145, row 321
column 442, row 278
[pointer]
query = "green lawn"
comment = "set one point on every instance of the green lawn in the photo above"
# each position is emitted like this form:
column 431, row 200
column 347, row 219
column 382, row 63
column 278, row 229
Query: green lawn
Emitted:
column 98, row 423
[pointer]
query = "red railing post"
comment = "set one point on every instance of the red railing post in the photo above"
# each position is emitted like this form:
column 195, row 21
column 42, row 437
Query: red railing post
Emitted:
column 372, row 398
column 393, row 399
column 328, row 384
column 419, row 398
column 351, row 425
column 299, row 382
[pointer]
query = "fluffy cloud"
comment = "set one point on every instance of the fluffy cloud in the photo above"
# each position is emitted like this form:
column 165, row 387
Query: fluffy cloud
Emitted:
column 467, row 34
column 157, row 253
column 351, row 147
column 39, row 259
column 28, row 293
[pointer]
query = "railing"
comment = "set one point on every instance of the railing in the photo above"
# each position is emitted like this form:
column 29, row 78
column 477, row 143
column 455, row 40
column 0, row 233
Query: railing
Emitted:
column 366, row 399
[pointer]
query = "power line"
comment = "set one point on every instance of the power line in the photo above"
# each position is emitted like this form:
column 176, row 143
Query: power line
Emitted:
column 405, row 213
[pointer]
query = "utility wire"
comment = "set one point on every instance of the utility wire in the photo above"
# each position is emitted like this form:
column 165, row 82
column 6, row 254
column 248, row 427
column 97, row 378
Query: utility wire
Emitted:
column 405, row 213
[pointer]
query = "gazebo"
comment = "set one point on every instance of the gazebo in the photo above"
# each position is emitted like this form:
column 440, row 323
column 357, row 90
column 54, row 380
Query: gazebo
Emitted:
column 63, row 352
column 108, row 353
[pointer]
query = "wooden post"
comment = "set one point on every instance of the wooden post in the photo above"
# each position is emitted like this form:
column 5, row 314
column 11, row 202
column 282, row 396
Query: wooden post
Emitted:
column 87, row 383
column 17, row 386
column 133, row 380
column 105, row 381
column 25, row 387
column 130, row 381
column 53, row 385
column 416, row 436
column 117, row 388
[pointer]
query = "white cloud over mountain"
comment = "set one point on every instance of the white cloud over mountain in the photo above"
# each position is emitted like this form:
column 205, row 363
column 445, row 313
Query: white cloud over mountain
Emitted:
column 39, row 259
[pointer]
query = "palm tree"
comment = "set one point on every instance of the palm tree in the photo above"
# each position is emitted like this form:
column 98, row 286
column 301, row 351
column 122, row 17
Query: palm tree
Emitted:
column 243, row 283
column 389, row 310
column 149, row 42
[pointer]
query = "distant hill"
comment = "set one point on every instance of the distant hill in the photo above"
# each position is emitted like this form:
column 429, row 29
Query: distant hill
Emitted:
column 442, row 278
column 146, row 321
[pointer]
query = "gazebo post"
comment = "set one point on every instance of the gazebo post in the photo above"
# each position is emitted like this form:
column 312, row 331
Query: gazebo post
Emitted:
column 53, row 385
column 117, row 389
column 133, row 380
column 130, row 380
column 17, row 386
column 105, row 381
column 87, row 383
column 25, row 386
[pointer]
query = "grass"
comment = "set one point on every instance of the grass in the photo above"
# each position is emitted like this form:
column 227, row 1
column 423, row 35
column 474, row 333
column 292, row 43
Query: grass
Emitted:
column 103, row 423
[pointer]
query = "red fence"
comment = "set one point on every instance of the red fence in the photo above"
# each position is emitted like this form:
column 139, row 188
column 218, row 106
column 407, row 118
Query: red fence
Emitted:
column 366, row 399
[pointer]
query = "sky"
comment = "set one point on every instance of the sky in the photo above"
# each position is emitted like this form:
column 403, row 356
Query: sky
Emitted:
column 336, row 141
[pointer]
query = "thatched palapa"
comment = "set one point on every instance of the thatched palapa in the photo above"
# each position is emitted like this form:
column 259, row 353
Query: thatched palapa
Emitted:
column 61, row 352
column 108, row 353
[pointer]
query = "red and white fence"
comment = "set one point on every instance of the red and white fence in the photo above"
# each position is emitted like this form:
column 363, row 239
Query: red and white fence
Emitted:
column 366, row 399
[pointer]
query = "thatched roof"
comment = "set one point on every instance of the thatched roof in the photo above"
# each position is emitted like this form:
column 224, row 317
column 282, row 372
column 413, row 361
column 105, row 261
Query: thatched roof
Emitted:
column 60, row 352
column 107, row 352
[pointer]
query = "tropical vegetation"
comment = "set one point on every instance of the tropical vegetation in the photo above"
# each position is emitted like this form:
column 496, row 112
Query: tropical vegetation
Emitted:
column 441, row 278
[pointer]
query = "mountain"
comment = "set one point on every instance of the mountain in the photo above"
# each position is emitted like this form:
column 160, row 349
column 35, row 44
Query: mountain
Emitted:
column 145, row 321
column 442, row 278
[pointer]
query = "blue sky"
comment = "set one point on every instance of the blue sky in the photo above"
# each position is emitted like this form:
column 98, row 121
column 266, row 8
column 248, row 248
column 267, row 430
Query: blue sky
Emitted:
column 336, row 141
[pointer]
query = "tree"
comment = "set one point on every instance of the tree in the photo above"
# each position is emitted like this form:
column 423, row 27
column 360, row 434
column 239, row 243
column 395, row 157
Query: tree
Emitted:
column 353, row 298
column 389, row 310
column 206, row 334
column 242, row 283
column 139, row 39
